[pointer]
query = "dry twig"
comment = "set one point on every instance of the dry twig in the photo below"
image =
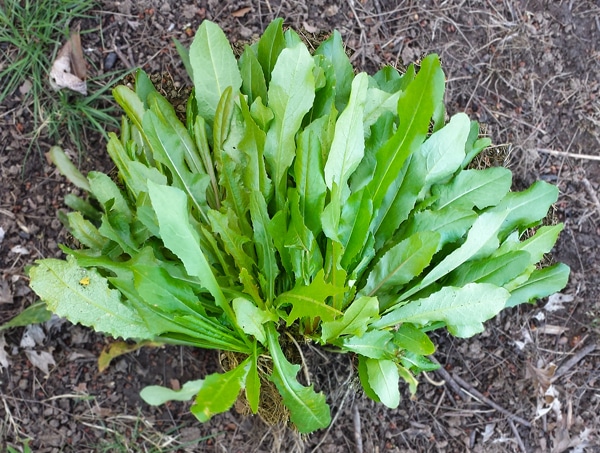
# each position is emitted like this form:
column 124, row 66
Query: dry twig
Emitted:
column 357, row 430
column 489, row 402
column 573, row 361
column 554, row 152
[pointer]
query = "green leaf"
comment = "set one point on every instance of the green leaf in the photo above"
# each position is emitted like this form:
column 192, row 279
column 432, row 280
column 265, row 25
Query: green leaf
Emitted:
column 109, row 194
column 253, row 78
column 383, row 379
column 270, row 45
column 253, row 383
column 479, row 188
column 214, row 68
column 495, row 270
column 83, row 296
column 414, row 340
column 219, row 392
column 333, row 49
column 308, row 409
column 403, row 262
column 537, row 245
column 415, row 109
column 463, row 310
column 169, row 151
column 251, row 318
column 406, row 375
column 451, row 224
column 310, row 301
column 184, row 54
column 34, row 314
column 541, row 283
column 294, row 68
column 527, row 207
column 66, row 168
column 364, row 379
column 481, row 241
column 155, row 395
column 348, row 145
column 225, row 225
column 354, row 225
column 355, row 320
column 85, row 232
column 170, row 205
column 308, row 172
column 374, row 344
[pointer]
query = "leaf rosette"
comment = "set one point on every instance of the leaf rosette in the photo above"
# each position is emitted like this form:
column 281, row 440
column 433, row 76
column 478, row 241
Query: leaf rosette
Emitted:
column 298, row 198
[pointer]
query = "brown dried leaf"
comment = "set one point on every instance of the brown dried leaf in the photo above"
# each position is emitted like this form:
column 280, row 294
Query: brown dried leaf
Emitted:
column 242, row 11
column 69, row 68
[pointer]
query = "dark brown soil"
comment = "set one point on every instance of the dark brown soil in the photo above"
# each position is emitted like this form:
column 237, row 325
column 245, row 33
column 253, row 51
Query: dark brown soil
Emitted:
column 528, row 70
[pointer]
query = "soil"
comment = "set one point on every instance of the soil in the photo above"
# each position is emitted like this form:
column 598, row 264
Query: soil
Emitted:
column 528, row 70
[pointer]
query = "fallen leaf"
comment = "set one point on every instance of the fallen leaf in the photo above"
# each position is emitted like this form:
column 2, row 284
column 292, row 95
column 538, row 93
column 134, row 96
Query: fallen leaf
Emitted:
column 69, row 68
column 556, row 301
column 550, row 329
column 4, row 362
column 310, row 28
column 119, row 348
column 32, row 335
column 242, row 11
column 41, row 360
column 6, row 296
column 19, row 250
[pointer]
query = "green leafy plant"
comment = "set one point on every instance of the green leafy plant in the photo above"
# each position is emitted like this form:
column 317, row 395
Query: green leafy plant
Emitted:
column 299, row 200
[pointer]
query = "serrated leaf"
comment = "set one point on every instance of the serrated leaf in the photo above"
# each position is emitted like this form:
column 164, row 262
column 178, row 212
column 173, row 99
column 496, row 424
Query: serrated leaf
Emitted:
column 155, row 395
column 479, row 188
column 355, row 320
column 374, row 344
column 383, row 379
column 294, row 68
column 219, row 392
column 308, row 409
column 214, row 68
column 402, row 263
column 541, row 283
column 309, row 301
column 83, row 296
column 414, row 340
column 463, row 310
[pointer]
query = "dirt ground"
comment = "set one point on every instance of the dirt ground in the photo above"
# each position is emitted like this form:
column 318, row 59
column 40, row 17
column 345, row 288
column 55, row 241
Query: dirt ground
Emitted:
column 528, row 70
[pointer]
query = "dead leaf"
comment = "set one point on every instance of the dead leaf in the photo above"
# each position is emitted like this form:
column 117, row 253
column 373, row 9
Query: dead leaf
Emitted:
column 19, row 250
column 550, row 329
column 119, row 348
column 32, row 335
column 6, row 296
column 4, row 362
column 541, row 376
column 556, row 301
column 41, row 360
column 310, row 28
column 69, row 68
column 242, row 11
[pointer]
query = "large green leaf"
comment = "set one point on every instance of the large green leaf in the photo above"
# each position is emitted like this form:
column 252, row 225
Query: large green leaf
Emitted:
column 495, row 270
column 480, row 188
column 33, row 314
column 253, row 78
column 450, row 224
column 541, row 283
column 270, row 45
column 291, row 93
column 348, row 145
column 214, row 68
column 83, row 296
column 383, row 379
column 537, row 245
column 402, row 263
column 251, row 318
column 308, row 409
column 219, row 391
column 414, row 340
column 463, row 310
column 170, row 205
column 415, row 109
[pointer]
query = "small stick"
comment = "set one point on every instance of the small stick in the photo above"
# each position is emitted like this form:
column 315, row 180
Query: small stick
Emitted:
column 565, row 367
column 357, row 431
column 516, row 433
column 591, row 192
column 489, row 402
column 566, row 154
column 446, row 377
